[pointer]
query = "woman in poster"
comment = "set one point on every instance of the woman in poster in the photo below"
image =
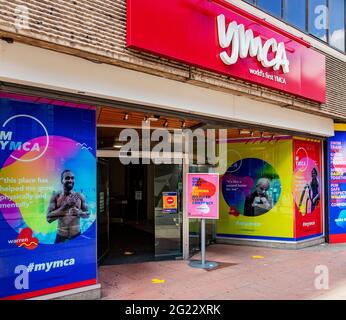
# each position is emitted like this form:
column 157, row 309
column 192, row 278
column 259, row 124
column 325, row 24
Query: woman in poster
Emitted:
column 313, row 194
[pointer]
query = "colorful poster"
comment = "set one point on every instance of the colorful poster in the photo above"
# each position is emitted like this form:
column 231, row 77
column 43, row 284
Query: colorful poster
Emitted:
column 256, row 200
column 203, row 195
column 170, row 202
column 251, row 187
column 337, row 184
column 47, row 198
column 307, row 188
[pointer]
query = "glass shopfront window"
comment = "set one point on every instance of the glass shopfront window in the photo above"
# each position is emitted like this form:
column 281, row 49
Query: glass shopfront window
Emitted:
column 168, row 192
column 337, row 24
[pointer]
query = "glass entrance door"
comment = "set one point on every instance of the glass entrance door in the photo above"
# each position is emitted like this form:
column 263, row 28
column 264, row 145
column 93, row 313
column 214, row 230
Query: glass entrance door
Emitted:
column 168, row 193
column 102, row 208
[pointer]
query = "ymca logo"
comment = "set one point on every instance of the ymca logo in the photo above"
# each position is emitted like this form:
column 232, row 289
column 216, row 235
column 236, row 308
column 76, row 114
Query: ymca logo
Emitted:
column 301, row 159
column 245, row 44
column 35, row 146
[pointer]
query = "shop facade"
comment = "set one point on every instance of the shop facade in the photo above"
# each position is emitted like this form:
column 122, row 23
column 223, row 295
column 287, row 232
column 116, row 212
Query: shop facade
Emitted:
column 273, row 98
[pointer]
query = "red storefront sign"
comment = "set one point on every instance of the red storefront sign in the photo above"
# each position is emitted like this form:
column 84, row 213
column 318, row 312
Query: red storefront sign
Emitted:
column 218, row 36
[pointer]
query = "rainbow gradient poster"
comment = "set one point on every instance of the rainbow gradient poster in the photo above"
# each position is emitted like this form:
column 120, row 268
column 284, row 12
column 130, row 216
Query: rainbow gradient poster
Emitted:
column 47, row 197
column 256, row 190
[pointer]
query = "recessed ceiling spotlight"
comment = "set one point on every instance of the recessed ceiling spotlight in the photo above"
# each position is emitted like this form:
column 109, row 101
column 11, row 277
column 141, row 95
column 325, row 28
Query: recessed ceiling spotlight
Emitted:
column 154, row 118
column 117, row 145
column 244, row 131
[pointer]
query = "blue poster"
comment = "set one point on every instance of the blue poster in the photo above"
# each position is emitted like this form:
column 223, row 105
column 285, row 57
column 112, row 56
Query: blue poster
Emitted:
column 337, row 185
column 47, row 198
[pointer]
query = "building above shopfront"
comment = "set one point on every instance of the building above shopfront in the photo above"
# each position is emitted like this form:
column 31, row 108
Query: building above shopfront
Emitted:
column 100, row 36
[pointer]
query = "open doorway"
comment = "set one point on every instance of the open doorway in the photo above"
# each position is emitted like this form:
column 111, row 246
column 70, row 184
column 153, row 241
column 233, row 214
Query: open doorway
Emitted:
column 140, row 208
column 140, row 212
column 131, row 236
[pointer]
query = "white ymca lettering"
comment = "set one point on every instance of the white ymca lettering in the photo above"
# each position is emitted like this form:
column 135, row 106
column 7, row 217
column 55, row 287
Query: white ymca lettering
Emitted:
column 6, row 135
column 244, row 43
column 26, row 146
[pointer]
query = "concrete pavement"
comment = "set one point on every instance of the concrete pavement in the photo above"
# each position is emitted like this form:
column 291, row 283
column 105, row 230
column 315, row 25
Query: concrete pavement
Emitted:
column 245, row 272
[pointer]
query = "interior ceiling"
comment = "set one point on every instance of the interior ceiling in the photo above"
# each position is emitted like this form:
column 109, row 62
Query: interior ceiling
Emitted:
column 120, row 118
column 111, row 121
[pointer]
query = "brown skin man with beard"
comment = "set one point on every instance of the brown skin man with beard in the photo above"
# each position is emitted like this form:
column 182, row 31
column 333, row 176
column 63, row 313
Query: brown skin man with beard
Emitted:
column 67, row 207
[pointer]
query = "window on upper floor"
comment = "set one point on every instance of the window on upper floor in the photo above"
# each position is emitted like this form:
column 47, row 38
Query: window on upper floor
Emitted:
column 294, row 12
column 251, row 1
column 324, row 19
column 337, row 24
column 318, row 18
column 272, row 6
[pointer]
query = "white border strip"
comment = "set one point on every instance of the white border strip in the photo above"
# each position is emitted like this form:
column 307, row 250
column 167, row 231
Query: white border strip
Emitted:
column 37, row 67
column 67, row 292
column 268, row 241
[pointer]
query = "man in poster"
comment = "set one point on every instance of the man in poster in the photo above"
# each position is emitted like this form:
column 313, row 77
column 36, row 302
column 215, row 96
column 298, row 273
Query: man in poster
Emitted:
column 313, row 194
column 68, row 207
column 258, row 202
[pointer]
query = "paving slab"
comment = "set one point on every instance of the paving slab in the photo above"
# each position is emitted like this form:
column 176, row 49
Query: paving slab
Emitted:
column 245, row 272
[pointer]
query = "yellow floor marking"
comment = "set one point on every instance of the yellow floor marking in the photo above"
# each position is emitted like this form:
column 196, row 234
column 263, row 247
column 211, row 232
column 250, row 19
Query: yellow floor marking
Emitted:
column 156, row 281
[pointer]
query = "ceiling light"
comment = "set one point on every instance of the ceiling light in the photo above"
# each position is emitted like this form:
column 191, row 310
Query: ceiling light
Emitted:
column 244, row 131
column 117, row 145
column 154, row 118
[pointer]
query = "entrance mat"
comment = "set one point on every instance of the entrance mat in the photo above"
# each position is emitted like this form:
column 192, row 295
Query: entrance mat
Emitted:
column 127, row 259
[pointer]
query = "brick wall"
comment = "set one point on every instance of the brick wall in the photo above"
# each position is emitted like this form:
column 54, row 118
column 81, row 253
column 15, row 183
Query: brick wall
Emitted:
column 336, row 87
column 96, row 30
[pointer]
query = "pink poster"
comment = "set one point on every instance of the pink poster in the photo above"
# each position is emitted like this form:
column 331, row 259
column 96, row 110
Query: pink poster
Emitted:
column 307, row 188
column 203, row 195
